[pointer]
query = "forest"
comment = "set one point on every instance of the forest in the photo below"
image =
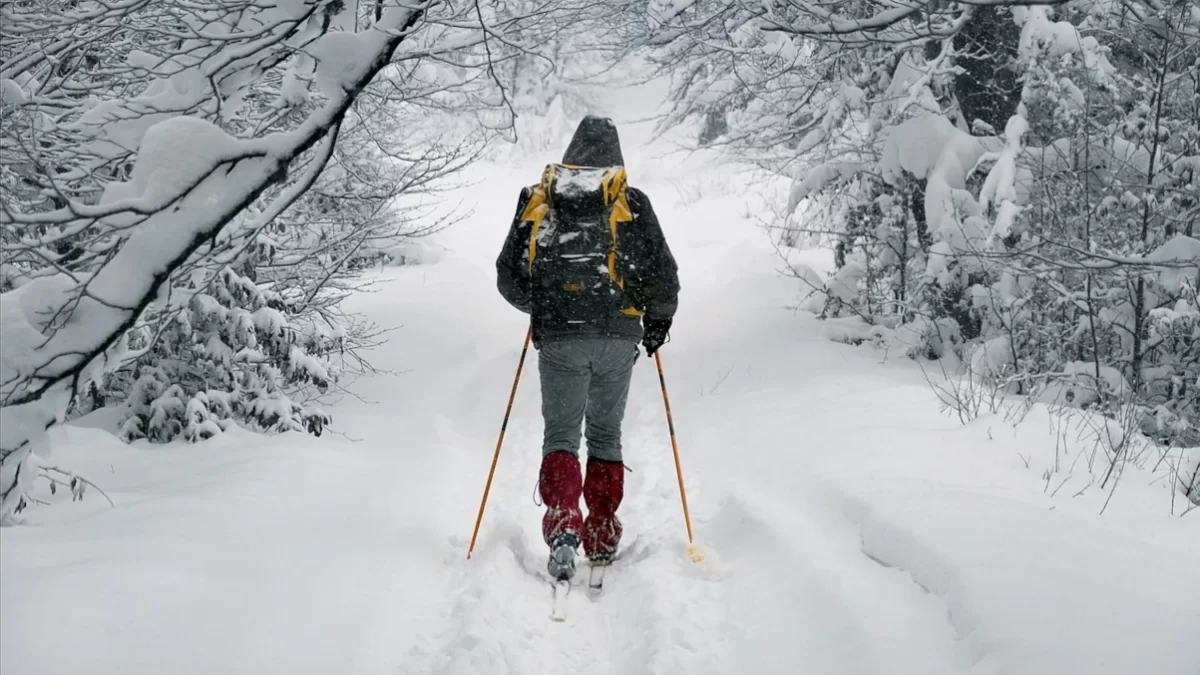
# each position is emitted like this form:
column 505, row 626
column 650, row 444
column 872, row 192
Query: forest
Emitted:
column 192, row 188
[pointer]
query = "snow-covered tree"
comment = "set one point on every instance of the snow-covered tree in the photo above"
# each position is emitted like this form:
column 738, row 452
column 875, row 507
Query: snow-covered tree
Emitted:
column 575, row 72
column 1011, row 185
column 189, row 187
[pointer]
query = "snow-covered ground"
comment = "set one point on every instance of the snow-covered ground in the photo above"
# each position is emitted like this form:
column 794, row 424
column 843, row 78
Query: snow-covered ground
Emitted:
column 850, row 527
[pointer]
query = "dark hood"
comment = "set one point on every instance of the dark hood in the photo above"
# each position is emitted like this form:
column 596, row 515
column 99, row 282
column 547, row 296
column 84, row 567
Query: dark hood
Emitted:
column 595, row 143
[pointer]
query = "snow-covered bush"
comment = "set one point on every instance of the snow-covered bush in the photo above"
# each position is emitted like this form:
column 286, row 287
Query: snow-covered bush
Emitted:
column 233, row 354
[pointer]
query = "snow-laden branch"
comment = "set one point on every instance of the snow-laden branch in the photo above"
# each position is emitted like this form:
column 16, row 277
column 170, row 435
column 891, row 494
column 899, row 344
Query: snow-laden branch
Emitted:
column 840, row 21
column 190, row 180
column 217, row 184
column 183, row 215
column 828, row 23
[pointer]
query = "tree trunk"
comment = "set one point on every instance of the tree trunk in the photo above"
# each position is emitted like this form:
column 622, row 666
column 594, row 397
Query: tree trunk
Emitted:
column 988, row 89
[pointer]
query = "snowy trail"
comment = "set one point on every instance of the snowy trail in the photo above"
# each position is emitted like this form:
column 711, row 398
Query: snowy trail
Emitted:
column 850, row 527
column 782, row 586
column 650, row 618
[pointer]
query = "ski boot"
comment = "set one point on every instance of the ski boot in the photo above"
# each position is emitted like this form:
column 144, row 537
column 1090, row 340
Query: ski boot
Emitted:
column 562, row 556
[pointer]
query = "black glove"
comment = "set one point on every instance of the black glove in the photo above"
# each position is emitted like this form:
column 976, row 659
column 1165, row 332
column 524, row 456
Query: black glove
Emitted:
column 656, row 333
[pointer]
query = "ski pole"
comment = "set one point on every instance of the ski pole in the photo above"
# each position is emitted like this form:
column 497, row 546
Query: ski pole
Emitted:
column 692, row 550
column 503, row 426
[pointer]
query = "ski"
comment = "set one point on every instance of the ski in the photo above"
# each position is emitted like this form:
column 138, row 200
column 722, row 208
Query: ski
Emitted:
column 562, row 588
column 562, row 570
column 596, row 577
column 561, row 567
column 598, row 567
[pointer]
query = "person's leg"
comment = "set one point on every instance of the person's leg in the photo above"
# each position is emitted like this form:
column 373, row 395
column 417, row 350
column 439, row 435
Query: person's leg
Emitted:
column 564, row 371
column 607, row 392
column 604, row 486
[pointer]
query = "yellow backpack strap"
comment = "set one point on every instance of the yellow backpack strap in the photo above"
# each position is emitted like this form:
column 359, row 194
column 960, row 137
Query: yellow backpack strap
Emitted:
column 536, row 209
column 615, row 184
column 614, row 196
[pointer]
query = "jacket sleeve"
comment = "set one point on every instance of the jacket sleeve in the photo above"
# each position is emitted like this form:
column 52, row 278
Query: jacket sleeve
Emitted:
column 658, row 278
column 512, row 274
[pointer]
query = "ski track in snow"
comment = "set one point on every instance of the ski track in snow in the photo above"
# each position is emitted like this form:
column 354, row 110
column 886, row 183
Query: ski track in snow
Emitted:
column 654, row 614
column 831, row 607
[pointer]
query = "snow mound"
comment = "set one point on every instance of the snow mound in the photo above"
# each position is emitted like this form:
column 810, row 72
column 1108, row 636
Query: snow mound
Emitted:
column 812, row 288
column 176, row 154
column 416, row 253
column 1180, row 260
column 342, row 57
column 11, row 93
column 992, row 358
column 955, row 547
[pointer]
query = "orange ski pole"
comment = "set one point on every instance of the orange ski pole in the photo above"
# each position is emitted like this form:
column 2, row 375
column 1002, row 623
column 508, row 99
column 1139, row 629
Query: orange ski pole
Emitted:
column 693, row 552
column 503, row 427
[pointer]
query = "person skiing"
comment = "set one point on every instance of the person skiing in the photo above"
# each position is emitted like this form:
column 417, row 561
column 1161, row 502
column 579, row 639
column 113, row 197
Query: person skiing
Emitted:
column 586, row 258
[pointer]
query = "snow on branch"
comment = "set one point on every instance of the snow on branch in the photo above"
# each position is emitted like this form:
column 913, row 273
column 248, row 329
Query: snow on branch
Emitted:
column 840, row 21
column 189, row 180
column 1009, row 181
column 827, row 23
column 821, row 177
column 187, row 200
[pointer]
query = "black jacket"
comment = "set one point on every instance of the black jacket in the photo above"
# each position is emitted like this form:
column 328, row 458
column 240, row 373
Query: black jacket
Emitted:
column 650, row 273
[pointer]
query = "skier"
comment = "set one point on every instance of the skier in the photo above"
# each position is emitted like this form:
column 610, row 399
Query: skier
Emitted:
column 586, row 258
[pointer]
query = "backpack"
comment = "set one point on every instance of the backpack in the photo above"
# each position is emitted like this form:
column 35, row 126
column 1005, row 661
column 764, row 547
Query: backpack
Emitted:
column 576, row 213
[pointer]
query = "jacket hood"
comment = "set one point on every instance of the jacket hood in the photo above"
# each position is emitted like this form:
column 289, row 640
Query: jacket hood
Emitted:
column 595, row 143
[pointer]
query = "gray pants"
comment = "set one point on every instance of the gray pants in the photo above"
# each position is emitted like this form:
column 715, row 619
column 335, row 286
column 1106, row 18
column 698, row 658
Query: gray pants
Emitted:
column 585, row 379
